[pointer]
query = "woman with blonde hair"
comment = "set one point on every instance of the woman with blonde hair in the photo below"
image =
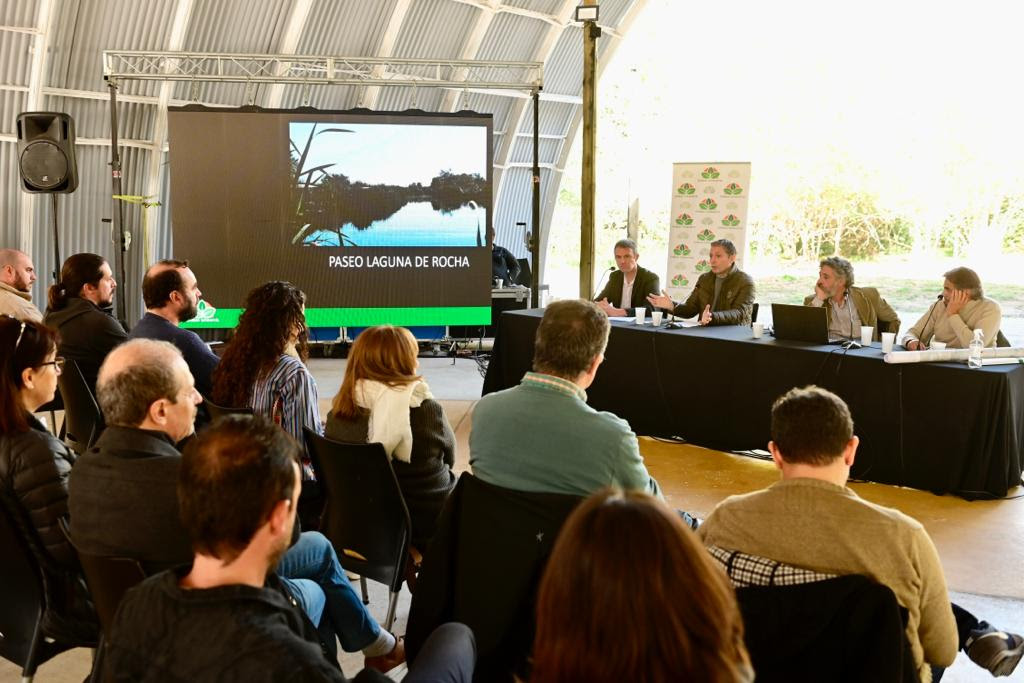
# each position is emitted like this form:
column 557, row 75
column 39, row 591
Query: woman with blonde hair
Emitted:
column 384, row 400
column 630, row 594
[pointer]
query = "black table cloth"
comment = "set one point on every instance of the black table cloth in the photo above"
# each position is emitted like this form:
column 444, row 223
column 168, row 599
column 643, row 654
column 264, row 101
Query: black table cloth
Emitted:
column 941, row 427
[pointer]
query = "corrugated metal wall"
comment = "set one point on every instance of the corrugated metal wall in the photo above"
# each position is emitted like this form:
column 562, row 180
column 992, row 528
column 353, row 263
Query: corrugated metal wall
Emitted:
column 79, row 30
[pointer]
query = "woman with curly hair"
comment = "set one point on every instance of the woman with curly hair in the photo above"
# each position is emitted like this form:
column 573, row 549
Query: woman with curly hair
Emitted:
column 630, row 594
column 264, row 368
column 383, row 399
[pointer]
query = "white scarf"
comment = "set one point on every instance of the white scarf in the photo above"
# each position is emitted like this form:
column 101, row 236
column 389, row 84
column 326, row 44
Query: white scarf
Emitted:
column 389, row 413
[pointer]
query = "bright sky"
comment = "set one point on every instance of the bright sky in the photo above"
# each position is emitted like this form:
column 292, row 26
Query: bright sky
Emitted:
column 394, row 154
column 925, row 94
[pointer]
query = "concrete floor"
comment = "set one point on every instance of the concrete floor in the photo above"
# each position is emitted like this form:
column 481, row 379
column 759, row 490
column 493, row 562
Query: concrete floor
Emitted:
column 978, row 542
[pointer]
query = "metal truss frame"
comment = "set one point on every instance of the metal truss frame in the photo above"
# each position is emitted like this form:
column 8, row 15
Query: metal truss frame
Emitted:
column 125, row 65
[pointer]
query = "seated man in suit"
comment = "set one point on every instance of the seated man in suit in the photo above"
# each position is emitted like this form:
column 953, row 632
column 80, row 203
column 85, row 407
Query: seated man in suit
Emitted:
column 962, row 309
column 850, row 307
column 723, row 296
column 812, row 519
column 629, row 286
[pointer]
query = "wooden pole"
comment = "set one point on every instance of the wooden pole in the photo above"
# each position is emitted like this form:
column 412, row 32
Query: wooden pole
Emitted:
column 591, row 32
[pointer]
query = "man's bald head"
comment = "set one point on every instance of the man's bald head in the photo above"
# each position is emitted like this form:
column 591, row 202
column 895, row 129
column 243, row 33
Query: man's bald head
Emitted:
column 134, row 376
column 16, row 269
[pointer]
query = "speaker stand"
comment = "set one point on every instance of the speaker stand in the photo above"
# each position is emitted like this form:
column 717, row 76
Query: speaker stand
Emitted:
column 56, row 239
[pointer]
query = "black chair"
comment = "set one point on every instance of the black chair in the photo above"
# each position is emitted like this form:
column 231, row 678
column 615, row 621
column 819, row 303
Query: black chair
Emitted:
column 215, row 411
column 1001, row 339
column 846, row 629
column 753, row 312
column 108, row 579
column 23, row 638
column 82, row 417
column 366, row 518
column 483, row 567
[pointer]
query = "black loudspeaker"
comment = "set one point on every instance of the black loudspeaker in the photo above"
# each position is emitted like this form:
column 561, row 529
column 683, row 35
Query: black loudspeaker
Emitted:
column 46, row 152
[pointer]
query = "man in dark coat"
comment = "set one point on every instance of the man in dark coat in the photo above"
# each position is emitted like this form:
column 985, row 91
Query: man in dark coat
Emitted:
column 630, row 285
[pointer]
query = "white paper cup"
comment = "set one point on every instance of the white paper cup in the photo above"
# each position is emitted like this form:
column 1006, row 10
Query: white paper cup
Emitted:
column 641, row 316
column 758, row 330
column 866, row 333
column 656, row 318
column 937, row 346
column 888, row 339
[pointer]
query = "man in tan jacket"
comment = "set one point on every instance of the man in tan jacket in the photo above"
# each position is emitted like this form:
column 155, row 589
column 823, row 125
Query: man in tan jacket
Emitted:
column 848, row 307
column 16, row 277
column 811, row 519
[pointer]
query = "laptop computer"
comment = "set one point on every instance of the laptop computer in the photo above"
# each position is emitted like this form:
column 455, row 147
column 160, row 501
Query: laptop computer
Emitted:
column 800, row 323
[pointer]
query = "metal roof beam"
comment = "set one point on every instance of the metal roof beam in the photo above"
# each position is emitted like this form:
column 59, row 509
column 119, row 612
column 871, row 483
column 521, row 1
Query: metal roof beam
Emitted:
column 45, row 16
column 387, row 49
column 289, row 43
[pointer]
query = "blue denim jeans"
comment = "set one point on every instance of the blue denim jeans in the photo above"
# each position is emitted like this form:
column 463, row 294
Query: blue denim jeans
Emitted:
column 313, row 557
column 310, row 597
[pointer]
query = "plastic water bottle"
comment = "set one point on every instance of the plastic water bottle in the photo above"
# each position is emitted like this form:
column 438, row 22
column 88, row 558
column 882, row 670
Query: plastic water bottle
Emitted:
column 977, row 344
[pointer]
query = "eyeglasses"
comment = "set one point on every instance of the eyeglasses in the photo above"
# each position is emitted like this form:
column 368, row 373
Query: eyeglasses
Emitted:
column 57, row 363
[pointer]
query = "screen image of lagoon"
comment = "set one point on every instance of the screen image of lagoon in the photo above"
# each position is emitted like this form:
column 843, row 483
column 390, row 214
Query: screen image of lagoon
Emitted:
column 388, row 185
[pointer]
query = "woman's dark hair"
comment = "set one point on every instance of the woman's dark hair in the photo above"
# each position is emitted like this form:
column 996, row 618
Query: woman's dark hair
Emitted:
column 78, row 271
column 37, row 342
column 272, row 313
column 630, row 594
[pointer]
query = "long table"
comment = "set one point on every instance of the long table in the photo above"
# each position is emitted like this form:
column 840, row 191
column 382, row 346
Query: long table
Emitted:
column 940, row 427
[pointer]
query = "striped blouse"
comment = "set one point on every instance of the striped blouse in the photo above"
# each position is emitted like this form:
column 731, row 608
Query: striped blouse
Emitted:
column 292, row 387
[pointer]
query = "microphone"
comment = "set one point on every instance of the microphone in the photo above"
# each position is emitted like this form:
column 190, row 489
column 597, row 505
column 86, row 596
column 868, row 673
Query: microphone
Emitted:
column 928, row 319
column 603, row 276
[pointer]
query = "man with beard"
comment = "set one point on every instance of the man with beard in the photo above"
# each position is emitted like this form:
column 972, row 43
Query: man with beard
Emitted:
column 16, row 277
column 78, row 307
column 172, row 294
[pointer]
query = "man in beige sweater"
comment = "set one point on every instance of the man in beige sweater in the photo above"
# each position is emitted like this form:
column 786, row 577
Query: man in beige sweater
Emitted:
column 17, row 273
column 811, row 519
column 960, row 310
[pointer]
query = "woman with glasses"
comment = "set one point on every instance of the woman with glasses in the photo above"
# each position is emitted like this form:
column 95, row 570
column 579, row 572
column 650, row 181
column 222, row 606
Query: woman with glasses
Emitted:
column 34, row 464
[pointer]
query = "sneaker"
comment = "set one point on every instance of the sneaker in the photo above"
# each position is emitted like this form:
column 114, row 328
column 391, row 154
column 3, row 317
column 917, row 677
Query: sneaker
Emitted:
column 995, row 650
column 385, row 663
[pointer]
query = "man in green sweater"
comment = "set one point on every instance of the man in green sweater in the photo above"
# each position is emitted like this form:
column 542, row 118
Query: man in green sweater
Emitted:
column 541, row 436
column 811, row 519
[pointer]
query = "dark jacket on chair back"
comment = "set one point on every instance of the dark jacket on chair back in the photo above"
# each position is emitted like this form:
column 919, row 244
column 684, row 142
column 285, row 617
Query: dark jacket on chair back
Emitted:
column 483, row 568
column 87, row 335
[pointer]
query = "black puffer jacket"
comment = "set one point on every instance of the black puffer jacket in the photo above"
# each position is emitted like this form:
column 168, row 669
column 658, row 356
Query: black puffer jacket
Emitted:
column 34, row 468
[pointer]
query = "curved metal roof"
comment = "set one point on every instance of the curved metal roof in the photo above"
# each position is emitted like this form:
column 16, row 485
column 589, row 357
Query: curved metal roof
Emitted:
column 50, row 60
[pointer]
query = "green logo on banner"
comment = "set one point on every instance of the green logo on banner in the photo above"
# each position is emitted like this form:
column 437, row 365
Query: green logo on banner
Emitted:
column 684, row 219
column 681, row 250
column 702, row 267
column 709, row 173
column 680, row 281
column 730, row 221
column 706, row 236
column 205, row 313
column 733, row 188
column 709, row 204
column 686, row 189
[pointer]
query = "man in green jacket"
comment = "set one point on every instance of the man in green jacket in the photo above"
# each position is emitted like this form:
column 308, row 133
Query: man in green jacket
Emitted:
column 723, row 296
column 850, row 307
